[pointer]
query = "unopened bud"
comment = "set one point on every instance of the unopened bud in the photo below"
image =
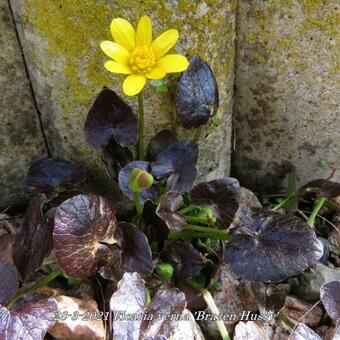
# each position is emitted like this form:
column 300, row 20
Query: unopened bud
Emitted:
column 164, row 270
column 140, row 180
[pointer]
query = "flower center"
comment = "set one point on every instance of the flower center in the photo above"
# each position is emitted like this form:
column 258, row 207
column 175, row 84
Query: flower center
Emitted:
column 142, row 59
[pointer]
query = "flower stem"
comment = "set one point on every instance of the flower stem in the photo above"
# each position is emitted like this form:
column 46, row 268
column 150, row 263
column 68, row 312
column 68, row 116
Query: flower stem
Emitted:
column 283, row 317
column 212, row 306
column 282, row 203
column 140, row 149
column 39, row 284
column 138, row 205
column 186, row 210
column 199, row 232
column 316, row 209
column 197, row 219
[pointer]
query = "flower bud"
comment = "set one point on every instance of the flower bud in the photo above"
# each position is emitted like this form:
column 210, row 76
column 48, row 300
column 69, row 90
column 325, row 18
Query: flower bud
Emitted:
column 165, row 270
column 140, row 180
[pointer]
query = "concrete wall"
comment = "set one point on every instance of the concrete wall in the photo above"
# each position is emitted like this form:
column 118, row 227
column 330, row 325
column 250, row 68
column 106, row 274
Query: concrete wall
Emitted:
column 21, row 139
column 61, row 40
column 286, row 76
column 287, row 103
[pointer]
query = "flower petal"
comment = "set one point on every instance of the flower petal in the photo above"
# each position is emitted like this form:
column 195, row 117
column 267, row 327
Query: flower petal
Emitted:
column 115, row 67
column 156, row 73
column 133, row 84
column 123, row 33
column 115, row 51
column 144, row 32
column 173, row 63
column 164, row 42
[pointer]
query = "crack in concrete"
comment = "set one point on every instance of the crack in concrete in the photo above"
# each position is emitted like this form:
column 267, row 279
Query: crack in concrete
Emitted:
column 30, row 82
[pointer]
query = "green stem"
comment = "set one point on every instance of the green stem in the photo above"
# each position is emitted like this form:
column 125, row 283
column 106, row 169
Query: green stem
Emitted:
column 197, row 134
column 186, row 210
column 196, row 219
column 207, row 229
column 285, row 320
column 212, row 306
column 316, row 209
column 138, row 205
column 141, row 126
column 199, row 232
column 39, row 284
column 282, row 203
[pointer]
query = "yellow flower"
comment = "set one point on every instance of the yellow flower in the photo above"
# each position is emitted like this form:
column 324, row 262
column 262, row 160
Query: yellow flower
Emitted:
column 135, row 54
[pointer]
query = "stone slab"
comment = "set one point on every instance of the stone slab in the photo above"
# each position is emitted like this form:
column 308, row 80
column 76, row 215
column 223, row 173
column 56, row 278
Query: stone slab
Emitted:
column 61, row 44
column 287, row 103
column 21, row 140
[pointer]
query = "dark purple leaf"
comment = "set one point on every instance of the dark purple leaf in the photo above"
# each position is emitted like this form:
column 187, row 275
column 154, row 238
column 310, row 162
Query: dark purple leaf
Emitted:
column 124, row 178
column 166, row 210
column 188, row 260
column 136, row 254
column 153, row 226
column 269, row 246
column 33, row 240
column 167, row 302
column 326, row 188
column 178, row 161
column 29, row 319
column 197, row 94
column 110, row 117
column 47, row 175
column 303, row 332
column 330, row 296
column 83, row 235
column 8, row 282
column 222, row 194
column 129, row 298
column 325, row 247
column 116, row 157
column 271, row 298
column 160, row 142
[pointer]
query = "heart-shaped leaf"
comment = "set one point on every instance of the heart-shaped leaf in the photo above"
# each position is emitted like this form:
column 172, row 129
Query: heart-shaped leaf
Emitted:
column 110, row 117
column 178, row 161
column 160, row 142
column 8, row 282
column 303, row 332
column 271, row 247
column 48, row 175
column 124, row 182
column 130, row 299
column 326, row 188
column 136, row 253
column 197, row 94
column 116, row 157
column 33, row 240
column 87, row 239
column 84, row 231
column 29, row 319
column 153, row 226
column 188, row 260
column 166, row 302
column 330, row 296
column 166, row 210
column 222, row 194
